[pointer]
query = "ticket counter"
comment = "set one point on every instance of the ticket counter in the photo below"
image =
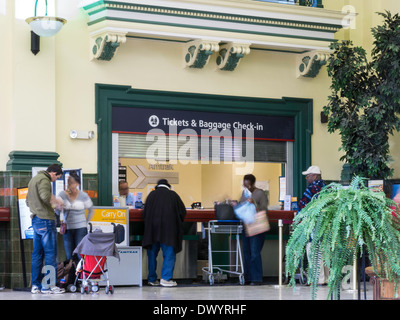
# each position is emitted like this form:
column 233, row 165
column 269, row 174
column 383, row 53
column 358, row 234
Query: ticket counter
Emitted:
column 186, row 266
column 205, row 215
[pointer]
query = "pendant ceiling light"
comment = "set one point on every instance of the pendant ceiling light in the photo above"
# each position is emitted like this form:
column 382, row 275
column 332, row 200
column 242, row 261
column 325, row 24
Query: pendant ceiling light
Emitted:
column 43, row 26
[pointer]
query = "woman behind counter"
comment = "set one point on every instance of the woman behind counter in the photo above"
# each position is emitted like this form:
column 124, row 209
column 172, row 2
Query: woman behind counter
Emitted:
column 252, row 246
column 75, row 203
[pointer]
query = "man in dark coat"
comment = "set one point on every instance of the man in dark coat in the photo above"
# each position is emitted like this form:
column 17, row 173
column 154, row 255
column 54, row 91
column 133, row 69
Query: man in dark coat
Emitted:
column 163, row 216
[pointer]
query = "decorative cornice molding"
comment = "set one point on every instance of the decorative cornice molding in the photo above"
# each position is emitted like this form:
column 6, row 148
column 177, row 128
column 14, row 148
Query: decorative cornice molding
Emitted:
column 230, row 55
column 265, row 25
column 198, row 53
column 105, row 45
column 310, row 63
column 279, row 22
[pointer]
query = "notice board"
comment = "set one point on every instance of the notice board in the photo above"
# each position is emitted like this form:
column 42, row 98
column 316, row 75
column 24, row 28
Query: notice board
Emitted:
column 25, row 221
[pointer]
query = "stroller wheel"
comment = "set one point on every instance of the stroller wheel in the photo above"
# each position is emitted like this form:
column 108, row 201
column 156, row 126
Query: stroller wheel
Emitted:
column 95, row 288
column 109, row 289
column 71, row 288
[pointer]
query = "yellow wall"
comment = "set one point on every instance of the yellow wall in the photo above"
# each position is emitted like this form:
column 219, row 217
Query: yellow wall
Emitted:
column 43, row 97
column 6, row 61
column 27, row 88
column 220, row 182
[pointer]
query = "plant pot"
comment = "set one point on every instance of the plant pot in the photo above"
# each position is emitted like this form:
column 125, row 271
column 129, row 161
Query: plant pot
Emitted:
column 383, row 289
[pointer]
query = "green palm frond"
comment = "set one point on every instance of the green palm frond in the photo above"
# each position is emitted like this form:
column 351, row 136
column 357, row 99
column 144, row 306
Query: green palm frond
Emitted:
column 340, row 222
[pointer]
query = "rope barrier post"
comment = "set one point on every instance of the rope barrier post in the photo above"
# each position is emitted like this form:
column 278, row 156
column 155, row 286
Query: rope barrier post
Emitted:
column 355, row 273
column 280, row 225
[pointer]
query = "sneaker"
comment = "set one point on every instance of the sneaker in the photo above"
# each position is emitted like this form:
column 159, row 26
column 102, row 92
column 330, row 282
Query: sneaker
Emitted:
column 168, row 283
column 153, row 283
column 35, row 289
column 55, row 290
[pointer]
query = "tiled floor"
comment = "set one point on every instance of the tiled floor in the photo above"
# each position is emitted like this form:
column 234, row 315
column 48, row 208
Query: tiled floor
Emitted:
column 193, row 293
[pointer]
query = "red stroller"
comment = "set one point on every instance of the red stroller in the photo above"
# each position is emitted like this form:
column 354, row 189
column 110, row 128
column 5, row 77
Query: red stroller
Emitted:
column 92, row 268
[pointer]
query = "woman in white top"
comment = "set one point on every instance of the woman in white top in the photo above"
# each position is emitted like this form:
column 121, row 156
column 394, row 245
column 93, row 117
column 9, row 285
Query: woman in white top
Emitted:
column 75, row 204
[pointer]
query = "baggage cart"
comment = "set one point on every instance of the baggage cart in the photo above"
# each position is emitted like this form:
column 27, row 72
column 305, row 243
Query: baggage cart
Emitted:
column 229, row 227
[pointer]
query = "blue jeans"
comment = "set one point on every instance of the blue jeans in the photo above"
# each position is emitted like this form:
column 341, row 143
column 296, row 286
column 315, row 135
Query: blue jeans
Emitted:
column 71, row 239
column 44, row 247
column 252, row 261
column 168, row 264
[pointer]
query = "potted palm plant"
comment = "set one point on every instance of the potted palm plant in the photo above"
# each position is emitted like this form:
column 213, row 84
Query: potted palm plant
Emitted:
column 341, row 222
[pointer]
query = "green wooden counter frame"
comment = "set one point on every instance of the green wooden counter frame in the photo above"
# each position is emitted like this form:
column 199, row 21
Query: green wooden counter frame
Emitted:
column 107, row 96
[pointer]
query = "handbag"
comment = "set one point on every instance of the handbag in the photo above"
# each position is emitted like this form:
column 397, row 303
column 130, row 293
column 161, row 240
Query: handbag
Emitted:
column 260, row 224
column 63, row 227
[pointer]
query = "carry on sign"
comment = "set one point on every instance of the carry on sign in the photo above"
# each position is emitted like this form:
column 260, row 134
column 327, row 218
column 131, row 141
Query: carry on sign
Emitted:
column 105, row 218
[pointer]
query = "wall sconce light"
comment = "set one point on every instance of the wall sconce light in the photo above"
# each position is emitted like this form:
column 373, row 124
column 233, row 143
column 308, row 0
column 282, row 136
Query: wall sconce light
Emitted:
column 324, row 117
column 77, row 134
column 43, row 26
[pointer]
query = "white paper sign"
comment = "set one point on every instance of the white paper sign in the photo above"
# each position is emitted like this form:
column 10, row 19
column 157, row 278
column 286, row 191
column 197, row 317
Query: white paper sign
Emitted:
column 288, row 202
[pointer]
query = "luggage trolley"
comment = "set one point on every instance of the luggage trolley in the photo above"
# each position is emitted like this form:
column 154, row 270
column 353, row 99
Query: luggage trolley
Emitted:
column 231, row 227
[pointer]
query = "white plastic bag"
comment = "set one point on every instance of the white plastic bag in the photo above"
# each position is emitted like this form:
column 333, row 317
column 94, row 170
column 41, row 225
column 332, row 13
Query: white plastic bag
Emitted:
column 246, row 212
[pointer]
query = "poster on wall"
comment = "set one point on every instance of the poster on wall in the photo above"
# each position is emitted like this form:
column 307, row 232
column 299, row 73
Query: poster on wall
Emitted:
column 103, row 218
column 122, row 173
column 282, row 189
column 375, row 185
column 25, row 221
column 396, row 193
